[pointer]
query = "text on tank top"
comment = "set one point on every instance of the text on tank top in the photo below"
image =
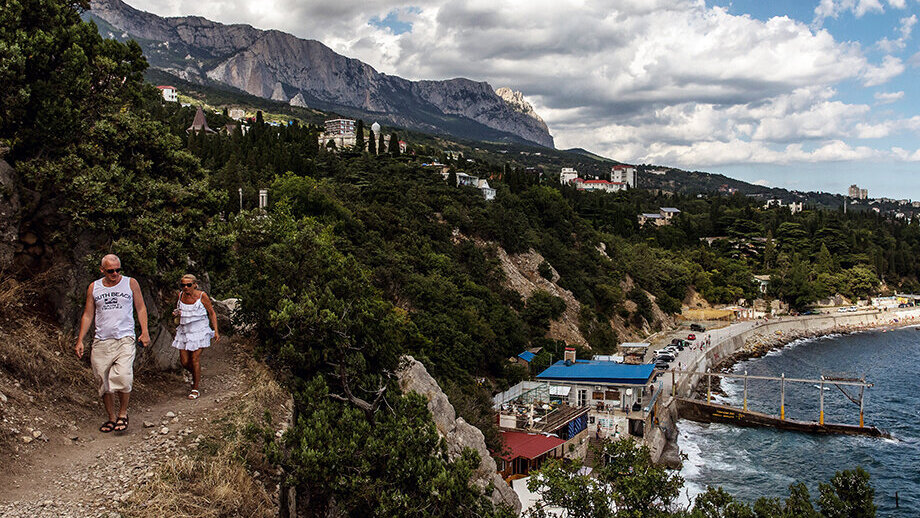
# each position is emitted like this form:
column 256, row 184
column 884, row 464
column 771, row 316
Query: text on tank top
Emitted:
column 114, row 309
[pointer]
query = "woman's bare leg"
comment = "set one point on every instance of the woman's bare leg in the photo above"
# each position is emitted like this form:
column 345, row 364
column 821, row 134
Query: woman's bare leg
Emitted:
column 196, row 368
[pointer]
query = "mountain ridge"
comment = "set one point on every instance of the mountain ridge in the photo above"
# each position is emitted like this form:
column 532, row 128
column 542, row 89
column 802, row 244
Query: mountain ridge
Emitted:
column 277, row 65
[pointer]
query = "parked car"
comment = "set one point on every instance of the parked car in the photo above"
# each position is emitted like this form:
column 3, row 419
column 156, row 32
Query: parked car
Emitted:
column 698, row 328
column 691, row 336
column 664, row 356
column 662, row 365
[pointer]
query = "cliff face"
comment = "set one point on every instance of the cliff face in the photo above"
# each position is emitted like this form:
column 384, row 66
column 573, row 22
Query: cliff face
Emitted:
column 457, row 433
column 276, row 65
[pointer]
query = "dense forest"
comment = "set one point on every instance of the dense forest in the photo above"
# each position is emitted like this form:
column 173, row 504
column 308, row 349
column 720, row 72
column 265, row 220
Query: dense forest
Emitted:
column 362, row 258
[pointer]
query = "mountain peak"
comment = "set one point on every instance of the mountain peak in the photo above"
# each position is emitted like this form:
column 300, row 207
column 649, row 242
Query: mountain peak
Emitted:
column 276, row 65
column 517, row 101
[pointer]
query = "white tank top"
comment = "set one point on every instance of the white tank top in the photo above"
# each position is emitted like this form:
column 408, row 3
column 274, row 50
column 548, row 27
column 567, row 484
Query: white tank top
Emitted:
column 114, row 309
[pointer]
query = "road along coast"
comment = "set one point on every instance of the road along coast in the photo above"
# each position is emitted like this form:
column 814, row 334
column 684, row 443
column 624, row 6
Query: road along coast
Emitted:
column 751, row 339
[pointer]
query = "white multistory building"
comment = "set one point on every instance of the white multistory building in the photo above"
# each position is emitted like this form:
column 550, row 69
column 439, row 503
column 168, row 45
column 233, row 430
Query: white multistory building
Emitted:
column 625, row 174
column 567, row 175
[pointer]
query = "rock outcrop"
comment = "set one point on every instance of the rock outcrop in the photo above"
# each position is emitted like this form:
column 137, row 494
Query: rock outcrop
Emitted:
column 457, row 433
column 522, row 276
column 269, row 63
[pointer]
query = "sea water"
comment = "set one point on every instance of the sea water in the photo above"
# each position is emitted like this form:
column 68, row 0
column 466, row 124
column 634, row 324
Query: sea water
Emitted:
column 754, row 462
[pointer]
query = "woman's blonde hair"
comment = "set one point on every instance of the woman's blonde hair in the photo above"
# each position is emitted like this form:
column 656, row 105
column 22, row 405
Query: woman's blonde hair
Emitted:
column 189, row 277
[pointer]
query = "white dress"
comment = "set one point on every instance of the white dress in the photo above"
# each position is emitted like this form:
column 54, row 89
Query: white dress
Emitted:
column 193, row 332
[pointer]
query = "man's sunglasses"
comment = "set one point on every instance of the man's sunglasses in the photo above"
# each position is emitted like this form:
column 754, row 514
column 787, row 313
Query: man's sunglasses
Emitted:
column 113, row 270
column 186, row 284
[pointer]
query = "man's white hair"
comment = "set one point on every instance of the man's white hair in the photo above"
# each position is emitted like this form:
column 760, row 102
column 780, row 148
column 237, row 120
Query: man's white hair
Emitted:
column 110, row 258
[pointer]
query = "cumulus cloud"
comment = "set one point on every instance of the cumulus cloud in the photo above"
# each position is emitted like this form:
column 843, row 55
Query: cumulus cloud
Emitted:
column 667, row 81
column 762, row 182
column 888, row 97
column 904, row 31
column 874, row 75
column 834, row 8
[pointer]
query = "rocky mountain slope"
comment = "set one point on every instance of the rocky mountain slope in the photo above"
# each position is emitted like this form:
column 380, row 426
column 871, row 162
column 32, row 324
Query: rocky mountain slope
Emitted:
column 279, row 66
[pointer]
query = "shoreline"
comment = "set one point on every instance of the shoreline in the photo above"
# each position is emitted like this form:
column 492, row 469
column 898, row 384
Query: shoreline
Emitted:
column 746, row 340
column 758, row 348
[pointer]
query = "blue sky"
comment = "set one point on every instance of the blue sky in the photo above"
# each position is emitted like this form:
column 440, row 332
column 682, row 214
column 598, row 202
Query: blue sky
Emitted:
column 806, row 94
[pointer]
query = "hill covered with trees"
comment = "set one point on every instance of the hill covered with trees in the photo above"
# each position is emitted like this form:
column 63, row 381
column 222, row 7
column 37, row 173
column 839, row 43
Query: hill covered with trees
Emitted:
column 362, row 258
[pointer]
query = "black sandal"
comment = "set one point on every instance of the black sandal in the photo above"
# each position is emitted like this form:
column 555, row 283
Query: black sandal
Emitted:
column 122, row 422
column 107, row 427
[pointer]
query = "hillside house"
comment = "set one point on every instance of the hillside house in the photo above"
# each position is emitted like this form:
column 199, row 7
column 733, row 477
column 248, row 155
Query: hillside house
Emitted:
column 341, row 132
column 625, row 174
column 567, row 175
column 169, row 93
column 526, row 452
column 654, row 217
column 480, row 183
column 609, row 390
column 598, row 185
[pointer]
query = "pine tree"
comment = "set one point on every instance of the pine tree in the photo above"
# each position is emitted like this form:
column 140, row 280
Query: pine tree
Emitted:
column 371, row 144
column 394, row 144
column 359, row 136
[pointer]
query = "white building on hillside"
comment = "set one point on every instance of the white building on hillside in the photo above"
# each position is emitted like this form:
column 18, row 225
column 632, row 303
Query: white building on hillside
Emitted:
column 339, row 131
column 625, row 174
column 567, row 175
column 598, row 185
column 170, row 94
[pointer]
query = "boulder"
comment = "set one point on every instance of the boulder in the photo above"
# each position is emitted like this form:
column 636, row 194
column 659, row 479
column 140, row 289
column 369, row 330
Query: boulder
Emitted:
column 457, row 433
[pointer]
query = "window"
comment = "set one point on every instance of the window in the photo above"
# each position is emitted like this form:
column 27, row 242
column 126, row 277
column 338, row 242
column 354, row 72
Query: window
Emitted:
column 582, row 397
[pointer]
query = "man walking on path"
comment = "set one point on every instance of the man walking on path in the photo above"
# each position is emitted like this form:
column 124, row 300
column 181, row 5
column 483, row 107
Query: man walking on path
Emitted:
column 112, row 300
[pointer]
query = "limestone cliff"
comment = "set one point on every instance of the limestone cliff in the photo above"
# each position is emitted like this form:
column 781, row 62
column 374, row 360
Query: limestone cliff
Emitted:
column 457, row 433
column 279, row 66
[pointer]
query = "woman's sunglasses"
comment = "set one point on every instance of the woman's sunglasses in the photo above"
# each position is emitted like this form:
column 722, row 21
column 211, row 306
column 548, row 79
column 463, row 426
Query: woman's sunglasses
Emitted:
column 186, row 284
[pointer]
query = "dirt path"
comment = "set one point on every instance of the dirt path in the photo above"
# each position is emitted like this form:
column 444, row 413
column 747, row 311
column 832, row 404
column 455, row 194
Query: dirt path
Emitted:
column 87, row 473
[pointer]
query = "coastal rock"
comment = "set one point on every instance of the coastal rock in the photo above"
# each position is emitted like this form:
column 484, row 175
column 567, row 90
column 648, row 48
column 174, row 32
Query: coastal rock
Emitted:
column 457, row 433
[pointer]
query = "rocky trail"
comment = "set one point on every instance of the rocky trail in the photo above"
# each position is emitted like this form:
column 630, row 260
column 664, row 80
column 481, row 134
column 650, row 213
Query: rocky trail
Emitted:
column 78, row 471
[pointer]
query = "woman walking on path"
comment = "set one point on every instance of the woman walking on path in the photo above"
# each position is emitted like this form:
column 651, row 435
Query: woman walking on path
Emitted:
column 193, row 333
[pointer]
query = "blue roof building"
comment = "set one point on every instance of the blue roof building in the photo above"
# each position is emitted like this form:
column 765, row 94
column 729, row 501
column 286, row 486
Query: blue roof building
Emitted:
column 597, row 372
column 527, row 356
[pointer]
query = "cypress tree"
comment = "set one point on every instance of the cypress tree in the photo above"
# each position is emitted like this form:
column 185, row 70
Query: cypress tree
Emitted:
column 394, row 144
column 371, row 144
column 381, row 145
column 359, row 136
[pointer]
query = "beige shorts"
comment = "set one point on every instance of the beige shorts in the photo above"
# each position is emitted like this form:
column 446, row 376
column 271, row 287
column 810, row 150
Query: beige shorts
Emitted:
column 113, row 364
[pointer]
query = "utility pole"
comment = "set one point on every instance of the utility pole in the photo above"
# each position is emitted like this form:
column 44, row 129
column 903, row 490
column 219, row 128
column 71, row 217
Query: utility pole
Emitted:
column 241, row 198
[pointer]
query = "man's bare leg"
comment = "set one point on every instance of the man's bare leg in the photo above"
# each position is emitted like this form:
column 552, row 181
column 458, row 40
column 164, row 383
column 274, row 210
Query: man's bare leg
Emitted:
column 123, row 398
column 109, row 404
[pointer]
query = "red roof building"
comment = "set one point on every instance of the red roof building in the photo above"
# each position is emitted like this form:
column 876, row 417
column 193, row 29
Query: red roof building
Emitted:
column 527, row 451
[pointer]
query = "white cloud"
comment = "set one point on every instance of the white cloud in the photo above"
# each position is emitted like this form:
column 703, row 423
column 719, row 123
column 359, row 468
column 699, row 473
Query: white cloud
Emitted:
column 874, row 75
column 762, row 182
column 670, row 81
column 904, row 31
column 888, row 97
